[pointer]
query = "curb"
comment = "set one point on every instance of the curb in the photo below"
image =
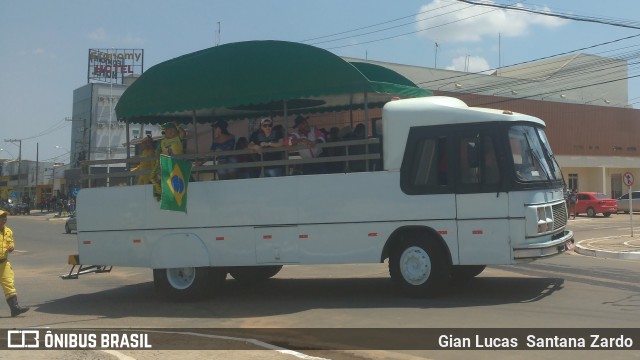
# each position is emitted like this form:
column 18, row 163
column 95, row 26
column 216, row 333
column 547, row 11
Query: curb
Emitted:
column 625, row 255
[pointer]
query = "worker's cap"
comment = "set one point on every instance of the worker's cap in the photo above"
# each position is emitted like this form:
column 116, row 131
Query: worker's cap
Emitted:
column 169, row 125
column 3, row 213
column 266, row 120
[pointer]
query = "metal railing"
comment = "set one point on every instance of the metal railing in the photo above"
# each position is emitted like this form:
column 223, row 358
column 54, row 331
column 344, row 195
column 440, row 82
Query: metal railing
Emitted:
column 347, row 156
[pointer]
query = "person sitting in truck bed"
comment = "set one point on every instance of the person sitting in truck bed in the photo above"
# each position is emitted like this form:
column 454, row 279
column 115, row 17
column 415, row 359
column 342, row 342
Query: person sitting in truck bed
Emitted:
column 266, row 137
column 309, row 136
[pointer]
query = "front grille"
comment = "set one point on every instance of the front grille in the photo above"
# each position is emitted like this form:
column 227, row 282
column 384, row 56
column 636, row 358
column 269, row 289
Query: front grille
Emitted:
column 559, row 215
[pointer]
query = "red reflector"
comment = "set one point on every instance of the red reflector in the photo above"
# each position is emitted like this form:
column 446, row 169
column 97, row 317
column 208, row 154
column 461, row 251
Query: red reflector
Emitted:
column 443, row 232
column 266, row 237
column 303, row 236
column 477, row 232
column 373, row 234
column 219, row 238
column 137, row 241
column 86, row 242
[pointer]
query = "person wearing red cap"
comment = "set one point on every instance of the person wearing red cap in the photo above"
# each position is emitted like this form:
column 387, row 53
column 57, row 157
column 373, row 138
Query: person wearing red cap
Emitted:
column 6, row 271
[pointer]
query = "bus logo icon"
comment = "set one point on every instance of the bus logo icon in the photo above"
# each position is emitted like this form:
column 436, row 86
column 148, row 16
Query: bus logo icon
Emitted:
column 23, row 339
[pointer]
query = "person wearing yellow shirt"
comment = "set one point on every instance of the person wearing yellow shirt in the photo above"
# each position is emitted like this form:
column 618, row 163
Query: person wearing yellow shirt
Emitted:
column 6, row 271
column 147, row 152
column 170, row 145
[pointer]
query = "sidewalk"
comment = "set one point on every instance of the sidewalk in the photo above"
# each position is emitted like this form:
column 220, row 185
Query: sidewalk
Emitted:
column 616, row 247
column 51, row 215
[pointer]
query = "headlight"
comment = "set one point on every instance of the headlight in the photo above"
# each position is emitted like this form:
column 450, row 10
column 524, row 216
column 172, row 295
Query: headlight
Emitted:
column 545, row 219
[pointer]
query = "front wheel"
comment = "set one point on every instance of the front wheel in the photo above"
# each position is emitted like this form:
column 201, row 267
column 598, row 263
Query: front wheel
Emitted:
column 419, row 268
column 188, row 283
column 591, row 212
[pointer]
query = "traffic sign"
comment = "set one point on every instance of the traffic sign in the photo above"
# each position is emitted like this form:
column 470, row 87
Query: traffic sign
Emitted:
column 627, row 178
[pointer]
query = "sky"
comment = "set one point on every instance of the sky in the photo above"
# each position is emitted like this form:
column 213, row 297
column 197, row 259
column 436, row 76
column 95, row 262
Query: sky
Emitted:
column 44, row 44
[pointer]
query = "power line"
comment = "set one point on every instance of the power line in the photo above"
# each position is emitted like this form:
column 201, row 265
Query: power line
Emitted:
column 558, row 15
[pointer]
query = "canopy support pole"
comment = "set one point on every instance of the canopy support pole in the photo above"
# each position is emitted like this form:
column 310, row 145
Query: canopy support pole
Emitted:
column 286, row 133
column 351, row 110
column 195, row 138
column 366, row 126
column 128, row 142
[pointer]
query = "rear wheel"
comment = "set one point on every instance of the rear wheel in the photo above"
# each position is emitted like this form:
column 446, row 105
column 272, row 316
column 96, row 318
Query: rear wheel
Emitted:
column 462, row 273
column 253, row 274
column 606, row 214
column 419, row 267
column 591, row 212
column 188, row 283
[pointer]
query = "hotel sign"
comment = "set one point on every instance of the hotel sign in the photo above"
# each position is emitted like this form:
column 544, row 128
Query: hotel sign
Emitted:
column 113, row 65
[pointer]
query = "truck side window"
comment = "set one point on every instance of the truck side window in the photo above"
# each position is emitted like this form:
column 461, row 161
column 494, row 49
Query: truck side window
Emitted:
column 429, row 163
column 478, row 161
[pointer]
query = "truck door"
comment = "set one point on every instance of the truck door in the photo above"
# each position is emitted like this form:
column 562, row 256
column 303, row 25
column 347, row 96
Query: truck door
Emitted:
column 482, row 208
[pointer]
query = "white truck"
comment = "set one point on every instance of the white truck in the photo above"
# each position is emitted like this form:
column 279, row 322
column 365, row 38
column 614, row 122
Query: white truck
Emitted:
column 460, row 188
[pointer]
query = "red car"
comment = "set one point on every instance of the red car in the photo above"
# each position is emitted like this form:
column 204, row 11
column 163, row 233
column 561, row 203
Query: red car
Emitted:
column 595, row 202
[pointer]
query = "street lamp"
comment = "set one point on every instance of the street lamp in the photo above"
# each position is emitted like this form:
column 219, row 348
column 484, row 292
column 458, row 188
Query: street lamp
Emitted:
column 8, row 152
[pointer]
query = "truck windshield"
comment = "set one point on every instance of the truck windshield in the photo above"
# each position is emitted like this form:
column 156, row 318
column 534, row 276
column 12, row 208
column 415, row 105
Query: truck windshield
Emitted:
column 532, row 156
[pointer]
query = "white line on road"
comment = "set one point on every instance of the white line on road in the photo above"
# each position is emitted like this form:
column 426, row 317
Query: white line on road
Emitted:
column 118, row 354
column 252, row 341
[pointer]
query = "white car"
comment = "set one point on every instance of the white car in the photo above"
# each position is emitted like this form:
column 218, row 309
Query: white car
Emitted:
column 71, row 224
column 623, row 202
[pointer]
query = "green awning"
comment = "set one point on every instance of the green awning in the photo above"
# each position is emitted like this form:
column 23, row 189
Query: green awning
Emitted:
column 250, row 78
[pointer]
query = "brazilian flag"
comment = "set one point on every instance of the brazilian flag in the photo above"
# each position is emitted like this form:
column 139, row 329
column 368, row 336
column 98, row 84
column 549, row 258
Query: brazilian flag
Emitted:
column 175, row 179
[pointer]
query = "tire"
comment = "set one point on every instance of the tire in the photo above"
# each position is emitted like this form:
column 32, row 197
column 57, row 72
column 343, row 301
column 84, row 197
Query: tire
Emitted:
column 606, row 214
column 591, row 212
column 419, row 267
column 67, row 229
column 463, row 273
column 189, row 283
column 254, row 274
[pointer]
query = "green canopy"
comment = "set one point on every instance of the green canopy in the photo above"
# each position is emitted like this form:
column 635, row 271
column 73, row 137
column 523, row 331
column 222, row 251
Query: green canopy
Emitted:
column 251, row 78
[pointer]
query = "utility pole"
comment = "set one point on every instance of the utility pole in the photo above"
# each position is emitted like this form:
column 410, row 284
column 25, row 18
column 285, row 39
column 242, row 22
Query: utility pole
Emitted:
column 19, row 141
column 217, row 40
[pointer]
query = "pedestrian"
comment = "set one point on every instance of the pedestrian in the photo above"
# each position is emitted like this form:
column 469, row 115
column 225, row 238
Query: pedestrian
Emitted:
column 573, row 200
column 6, row 271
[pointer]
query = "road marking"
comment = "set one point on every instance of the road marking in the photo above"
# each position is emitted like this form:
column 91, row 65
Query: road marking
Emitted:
column 252, row 341
column 118, row 354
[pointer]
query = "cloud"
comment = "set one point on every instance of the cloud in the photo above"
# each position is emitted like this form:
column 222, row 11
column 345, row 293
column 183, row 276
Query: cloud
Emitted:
column 133, row 40
column 447, row 21
column 43, row 53
column 98, row 35
column 469, row 64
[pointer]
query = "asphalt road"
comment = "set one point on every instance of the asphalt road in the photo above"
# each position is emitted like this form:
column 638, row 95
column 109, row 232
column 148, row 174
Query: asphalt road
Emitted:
column 566, row 291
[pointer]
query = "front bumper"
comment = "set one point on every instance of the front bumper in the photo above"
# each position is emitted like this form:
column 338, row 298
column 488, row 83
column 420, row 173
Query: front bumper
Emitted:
column 545, row 249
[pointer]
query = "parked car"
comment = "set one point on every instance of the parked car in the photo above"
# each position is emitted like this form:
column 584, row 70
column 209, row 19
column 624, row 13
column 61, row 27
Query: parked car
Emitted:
column 71, row 224
column 19, row 208
column 623, row 202
column 595, row 202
